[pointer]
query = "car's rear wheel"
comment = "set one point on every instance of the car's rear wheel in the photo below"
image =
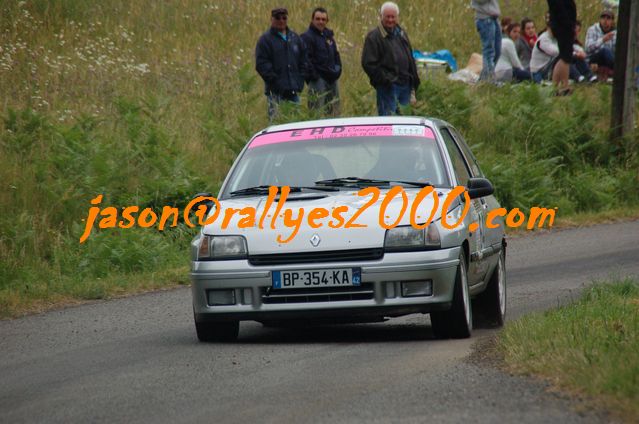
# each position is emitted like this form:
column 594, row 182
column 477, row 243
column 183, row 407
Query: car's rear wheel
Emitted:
column 457, row 322
column 217, row 331
column 491, row 303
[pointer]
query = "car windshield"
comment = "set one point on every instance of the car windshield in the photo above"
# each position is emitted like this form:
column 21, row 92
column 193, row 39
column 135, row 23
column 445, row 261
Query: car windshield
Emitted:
column 308, row 162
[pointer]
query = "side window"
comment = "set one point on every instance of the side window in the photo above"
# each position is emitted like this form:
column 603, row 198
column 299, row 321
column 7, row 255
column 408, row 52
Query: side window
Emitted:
column 459, row 164
column 474, row 166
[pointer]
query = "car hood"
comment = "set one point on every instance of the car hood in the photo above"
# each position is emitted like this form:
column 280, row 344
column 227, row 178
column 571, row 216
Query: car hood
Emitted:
column 264, row 241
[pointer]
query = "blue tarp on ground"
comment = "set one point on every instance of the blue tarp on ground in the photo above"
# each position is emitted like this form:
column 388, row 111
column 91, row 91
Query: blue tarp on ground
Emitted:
column 439, row 55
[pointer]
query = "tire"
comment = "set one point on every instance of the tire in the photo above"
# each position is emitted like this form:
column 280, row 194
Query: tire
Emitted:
column 217, row 331
column 457, row 322
column 491, row 304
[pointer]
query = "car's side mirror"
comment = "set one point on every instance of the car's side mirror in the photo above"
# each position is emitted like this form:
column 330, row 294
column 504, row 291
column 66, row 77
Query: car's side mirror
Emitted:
column 207, row 203
column 479, row 187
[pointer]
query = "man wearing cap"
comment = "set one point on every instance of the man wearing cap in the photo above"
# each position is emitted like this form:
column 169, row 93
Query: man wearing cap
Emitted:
column 280, row 59
column 601, row 39
column 387, row 59
column 325, row 65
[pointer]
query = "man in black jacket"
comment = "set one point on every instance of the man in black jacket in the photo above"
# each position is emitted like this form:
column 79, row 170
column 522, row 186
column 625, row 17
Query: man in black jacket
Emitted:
column 388, row 61
column 281, row 61
column 325, row 65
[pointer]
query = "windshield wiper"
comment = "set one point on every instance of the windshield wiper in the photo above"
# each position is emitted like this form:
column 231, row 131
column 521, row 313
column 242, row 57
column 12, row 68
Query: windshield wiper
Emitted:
column 355, row 181
column 263, row 189
column 413, row 183
column 349, row 181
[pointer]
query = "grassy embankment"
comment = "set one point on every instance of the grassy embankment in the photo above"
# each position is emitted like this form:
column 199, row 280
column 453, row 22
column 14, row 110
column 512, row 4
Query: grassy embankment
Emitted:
column 590, row 347
column 148, row 102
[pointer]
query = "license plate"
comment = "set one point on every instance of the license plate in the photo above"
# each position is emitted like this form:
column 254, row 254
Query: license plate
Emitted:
column 338, row 277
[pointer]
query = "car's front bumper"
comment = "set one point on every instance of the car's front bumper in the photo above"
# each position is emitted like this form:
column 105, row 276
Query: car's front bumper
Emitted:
column 381, row 277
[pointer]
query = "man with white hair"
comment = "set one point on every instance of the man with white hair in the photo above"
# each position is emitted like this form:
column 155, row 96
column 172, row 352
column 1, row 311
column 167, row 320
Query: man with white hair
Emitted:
column 387, row 59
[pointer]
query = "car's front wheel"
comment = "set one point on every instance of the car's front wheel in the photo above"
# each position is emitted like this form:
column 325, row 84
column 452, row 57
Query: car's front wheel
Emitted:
column 217, row 331
column 457, row 322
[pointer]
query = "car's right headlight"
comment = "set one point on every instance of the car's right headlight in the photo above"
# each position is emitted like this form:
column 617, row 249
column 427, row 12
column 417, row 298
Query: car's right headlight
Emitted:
column 400, row 239
column 222, row 248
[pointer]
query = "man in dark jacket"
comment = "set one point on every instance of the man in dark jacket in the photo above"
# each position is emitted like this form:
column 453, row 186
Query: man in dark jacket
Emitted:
column 388, row 61
column 325, row 65
column 281, row 61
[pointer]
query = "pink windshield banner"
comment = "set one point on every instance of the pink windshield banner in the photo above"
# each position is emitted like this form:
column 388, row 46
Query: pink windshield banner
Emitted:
column 320, row 133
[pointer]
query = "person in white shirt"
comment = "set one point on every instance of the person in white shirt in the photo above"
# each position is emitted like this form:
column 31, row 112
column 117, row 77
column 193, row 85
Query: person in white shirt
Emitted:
column 544, row 56
column 509, row 66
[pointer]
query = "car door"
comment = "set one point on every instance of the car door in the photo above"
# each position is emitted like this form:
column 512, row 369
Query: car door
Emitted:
column 492, row 237
column 476, row 269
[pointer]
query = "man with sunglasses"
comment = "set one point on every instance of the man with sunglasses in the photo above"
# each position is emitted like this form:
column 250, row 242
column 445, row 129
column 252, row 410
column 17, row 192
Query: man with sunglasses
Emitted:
column 281, row 61
column 601, row 39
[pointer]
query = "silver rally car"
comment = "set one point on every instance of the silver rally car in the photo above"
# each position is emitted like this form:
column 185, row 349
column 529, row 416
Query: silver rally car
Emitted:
column 329, row 249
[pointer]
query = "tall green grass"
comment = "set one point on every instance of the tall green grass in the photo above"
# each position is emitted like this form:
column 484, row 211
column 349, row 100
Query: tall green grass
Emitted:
column 591, row 346
column 148, row 103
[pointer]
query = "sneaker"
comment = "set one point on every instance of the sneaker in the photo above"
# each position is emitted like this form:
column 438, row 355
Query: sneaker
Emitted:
column 593, row 78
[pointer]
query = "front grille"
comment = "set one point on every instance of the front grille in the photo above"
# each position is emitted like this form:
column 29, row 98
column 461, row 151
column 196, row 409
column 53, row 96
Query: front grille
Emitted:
column 319, row 294
column 354, row 255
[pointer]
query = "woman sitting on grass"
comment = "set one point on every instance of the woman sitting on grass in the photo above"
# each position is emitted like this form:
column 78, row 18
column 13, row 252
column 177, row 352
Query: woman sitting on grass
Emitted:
column 526, row 42
column 580, row 70
column 508, row 67
column 546, row 54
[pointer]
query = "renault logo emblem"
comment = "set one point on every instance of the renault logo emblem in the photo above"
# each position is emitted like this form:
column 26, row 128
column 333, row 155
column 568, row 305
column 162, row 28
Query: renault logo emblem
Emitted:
column 315, row 240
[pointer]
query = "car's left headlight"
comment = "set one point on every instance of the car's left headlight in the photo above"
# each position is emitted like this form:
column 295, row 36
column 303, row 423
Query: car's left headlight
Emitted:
column 409, row 238
column 222, row 248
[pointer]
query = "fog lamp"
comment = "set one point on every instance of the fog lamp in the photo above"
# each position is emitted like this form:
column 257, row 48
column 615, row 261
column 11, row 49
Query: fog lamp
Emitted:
column 417, row 288
column 221, row 297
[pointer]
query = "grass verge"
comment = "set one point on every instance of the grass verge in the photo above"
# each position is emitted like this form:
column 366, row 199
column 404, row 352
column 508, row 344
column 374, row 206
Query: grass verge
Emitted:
column 37, row 297
column 590, row 347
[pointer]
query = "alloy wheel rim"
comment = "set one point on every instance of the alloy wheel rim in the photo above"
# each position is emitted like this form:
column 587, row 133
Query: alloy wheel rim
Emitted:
column 465, row 296
column 501, row 286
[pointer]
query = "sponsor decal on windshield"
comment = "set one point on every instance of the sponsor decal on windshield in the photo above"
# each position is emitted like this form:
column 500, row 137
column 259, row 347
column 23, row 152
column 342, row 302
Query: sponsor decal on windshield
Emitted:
column 321, row 133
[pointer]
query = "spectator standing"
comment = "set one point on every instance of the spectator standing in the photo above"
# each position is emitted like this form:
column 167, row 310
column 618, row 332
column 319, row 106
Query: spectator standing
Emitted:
column 508, row 66
column 487, row 22
column 280, row 59
column 601, row 39
column 325, row 65
column 526, row 42
column 563, row 17
column 387, row 59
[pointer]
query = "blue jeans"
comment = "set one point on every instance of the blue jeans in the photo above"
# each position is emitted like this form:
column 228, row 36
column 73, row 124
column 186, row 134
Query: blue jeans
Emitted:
column 580, row 68
column 521, row 75
column 490, row 35
column 603, row 57
column 274, row 101
column 388, row 98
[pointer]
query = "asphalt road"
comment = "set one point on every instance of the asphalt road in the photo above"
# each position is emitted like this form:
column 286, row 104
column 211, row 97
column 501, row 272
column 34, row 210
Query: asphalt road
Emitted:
column 138, row 360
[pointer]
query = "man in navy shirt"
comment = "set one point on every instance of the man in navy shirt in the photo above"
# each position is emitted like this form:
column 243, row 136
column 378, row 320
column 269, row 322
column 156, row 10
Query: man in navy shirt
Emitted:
column 280, row 59
column 325, row 65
